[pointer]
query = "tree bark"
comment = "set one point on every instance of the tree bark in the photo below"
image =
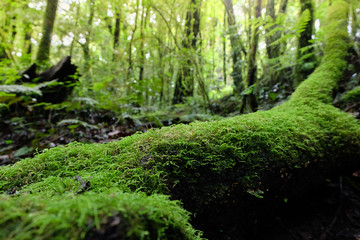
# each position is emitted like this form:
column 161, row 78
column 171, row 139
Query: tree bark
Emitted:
column 224, row 49
column 86, row 46
column 130, row 60
column 43, row 53
column 272, row 76
column 116, row 34
column 236, row 47
column 184, row 86
column 249, row 101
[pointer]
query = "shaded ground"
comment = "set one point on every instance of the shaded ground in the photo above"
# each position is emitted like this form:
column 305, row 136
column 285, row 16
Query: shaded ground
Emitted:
column 330, row 212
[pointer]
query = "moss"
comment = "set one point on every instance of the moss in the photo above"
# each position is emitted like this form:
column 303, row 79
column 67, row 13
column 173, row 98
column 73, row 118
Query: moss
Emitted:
column 320, row 84
column 351, row 96
column 94, row 216
column 265, row 154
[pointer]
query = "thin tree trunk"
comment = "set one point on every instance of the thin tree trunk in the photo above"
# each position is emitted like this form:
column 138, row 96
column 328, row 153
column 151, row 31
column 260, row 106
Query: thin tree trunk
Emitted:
column 43, row 53
column 116, row 34
column 130, row 67
column 273, row 50
column 224, row 49
column 249, row 101
column 86, row 45
column 27, row 38
column 76, row 24
column 272, row 76
column 184, row 86
column 236, row 48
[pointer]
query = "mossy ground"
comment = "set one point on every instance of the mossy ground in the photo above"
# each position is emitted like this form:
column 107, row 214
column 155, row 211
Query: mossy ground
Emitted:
column 270, row 155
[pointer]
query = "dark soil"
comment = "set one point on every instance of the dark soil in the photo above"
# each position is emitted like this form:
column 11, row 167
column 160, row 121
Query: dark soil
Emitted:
column 328, row 212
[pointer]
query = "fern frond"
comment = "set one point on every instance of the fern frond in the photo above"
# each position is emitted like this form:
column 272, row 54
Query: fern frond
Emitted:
column 304, row 19
column 86, row 100
column 76, row 122
column 19, row 89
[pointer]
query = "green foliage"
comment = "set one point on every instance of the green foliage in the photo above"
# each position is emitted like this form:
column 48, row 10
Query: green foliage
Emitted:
column 352, row 95
column 19, row 89
column 304, row 19
column 75, row 123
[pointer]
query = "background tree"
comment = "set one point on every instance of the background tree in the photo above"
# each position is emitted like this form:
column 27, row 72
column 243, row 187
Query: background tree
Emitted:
column 43, row 53
column 249, row 102
column 184, row 86
column 236, row 47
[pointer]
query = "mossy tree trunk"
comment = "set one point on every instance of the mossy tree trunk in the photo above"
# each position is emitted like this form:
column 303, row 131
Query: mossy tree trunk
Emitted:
column 43, row 53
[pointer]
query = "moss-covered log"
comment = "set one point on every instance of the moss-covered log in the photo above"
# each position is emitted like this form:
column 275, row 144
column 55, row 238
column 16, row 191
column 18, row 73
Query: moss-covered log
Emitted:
column 108, row 215
column 247, row 162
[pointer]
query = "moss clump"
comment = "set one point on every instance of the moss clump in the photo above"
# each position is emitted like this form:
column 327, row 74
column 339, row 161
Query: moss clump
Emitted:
column 270, row 155
column 351, row 96
column 93, row 216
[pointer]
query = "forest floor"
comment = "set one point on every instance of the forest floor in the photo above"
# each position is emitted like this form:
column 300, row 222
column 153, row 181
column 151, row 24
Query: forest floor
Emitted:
column 331, row 212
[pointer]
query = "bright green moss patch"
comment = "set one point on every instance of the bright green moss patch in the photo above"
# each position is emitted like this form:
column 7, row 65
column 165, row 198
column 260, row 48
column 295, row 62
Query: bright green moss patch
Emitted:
column 352, row 95
column 319, row 85
column 93, row 216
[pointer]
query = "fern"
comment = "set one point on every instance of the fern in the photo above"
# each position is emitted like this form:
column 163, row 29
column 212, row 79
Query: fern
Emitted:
column 19, row 89
column 76, row 122
column 86, row 100
column 303, row 21
column 3, row 105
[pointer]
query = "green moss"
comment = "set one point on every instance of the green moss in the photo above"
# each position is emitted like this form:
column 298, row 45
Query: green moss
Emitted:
column 202, row 164
column 320, row 84
column 93, row 216
column 352, row 95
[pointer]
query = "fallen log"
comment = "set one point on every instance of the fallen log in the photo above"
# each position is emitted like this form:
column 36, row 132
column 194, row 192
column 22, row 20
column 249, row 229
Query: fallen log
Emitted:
column 53, row 85
column 57, row 82
column 238, row 166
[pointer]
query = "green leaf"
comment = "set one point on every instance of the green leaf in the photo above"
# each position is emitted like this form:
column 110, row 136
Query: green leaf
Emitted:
column 23, row 151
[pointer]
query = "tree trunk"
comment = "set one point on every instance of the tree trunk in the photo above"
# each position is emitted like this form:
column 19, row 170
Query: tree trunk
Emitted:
column 43, row 53
column 76, row 25
column 249, row 102
column 306, row 60
column 116, row 34
column 273, row 50
column 184, row 86
column 235, row 48
column 224, row 49
column 130, row 67
column 271, row 75
column 142, row 86
column 86, row 45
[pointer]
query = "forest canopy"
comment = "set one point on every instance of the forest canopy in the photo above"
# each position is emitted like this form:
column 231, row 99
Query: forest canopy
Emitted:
column 145, row 55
